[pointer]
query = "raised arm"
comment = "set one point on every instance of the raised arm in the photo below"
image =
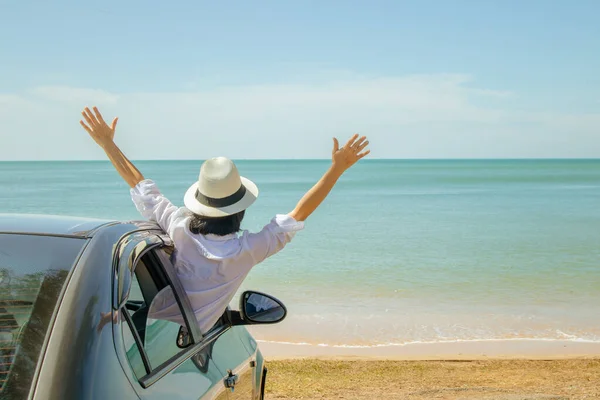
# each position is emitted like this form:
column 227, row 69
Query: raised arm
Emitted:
column 342, row 159
column 144, row 192
column 104, row 135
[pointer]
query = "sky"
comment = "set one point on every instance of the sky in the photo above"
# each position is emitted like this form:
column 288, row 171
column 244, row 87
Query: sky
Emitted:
column 265, row 79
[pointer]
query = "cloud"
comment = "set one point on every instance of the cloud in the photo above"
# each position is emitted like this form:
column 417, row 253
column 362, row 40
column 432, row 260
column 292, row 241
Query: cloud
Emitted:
column 432, row 116
column 70, row 95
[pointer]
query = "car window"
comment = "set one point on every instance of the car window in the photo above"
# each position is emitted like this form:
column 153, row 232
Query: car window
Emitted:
column 155, row 317
column 134, row 356
column 33, row 271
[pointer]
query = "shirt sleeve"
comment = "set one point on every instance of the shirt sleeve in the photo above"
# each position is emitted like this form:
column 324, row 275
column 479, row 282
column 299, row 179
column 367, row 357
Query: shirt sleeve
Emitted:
column 273, row 237
column 153, row 206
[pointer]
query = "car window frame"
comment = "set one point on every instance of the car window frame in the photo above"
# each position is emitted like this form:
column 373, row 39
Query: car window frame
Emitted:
column 128, row 253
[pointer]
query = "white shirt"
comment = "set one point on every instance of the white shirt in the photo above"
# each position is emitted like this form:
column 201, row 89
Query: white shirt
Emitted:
column 211, row 268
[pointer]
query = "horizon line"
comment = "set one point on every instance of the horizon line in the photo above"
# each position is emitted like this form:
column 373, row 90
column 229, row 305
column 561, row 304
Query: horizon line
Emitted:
column 329, row 159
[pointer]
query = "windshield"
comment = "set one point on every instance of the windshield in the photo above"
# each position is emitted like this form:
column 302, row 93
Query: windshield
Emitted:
column 33, row 270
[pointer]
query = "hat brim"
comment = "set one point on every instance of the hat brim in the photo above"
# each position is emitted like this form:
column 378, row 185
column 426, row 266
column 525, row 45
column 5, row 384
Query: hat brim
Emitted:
column 196, row 207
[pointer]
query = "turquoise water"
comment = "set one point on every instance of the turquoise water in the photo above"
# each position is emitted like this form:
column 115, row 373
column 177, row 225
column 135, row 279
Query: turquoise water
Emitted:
column 401, row 251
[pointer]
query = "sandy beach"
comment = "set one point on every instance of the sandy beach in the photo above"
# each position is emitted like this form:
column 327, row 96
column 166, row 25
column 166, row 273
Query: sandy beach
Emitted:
column 508, row 370
column 456, row 380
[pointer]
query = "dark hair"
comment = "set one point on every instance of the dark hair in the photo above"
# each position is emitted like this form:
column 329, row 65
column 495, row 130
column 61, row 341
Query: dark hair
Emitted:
column 220, row 226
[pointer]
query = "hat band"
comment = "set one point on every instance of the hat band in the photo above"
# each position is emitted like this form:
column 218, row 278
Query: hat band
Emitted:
column 223, row 201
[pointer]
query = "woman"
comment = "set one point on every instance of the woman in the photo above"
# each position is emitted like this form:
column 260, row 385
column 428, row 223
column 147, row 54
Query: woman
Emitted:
column 211, row 258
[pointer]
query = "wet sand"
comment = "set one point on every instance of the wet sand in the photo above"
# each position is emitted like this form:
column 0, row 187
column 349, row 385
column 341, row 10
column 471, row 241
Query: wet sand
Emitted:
column 472, row 350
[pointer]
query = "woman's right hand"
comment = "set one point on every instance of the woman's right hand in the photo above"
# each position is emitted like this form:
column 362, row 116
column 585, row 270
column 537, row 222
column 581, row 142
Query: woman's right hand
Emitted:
column 97, row 128
column 341, row 160
column 348, row 155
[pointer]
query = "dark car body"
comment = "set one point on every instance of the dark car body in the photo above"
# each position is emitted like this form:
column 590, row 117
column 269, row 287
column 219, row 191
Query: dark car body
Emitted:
column 74, row 318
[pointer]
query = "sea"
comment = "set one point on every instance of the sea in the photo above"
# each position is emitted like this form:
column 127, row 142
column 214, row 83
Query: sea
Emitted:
column 402, row 251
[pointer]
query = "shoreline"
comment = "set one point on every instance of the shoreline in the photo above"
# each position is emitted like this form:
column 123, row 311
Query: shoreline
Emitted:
column 512, row 349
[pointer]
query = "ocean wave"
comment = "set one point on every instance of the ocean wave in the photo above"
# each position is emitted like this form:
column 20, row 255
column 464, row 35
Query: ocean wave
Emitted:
column 416, row 342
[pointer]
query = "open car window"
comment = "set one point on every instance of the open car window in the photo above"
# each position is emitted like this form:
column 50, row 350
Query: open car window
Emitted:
column 33, row 272
column 151, row 342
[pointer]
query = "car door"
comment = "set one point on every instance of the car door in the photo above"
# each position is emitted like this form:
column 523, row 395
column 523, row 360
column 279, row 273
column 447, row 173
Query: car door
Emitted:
column 148, row 348
column 236, row 350
column 238, row 362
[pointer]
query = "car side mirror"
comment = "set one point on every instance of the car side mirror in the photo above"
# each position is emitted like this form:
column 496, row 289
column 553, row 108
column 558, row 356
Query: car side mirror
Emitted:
column 260, row 308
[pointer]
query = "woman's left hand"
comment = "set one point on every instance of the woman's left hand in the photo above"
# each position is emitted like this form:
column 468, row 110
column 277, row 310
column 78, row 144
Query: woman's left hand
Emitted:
column 97, row 128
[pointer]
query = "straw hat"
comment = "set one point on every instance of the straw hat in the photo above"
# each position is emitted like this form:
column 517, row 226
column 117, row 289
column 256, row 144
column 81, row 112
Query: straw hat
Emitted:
column 220, row 190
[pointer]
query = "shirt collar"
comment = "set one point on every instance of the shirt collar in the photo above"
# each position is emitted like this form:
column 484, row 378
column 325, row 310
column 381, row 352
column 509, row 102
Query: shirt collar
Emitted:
column 217, row 238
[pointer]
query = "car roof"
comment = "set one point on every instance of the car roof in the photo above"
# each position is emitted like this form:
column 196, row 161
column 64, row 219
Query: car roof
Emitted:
column 50, row 224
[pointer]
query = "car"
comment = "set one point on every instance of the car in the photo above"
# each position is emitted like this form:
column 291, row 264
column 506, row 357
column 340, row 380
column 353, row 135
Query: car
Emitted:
column 74, row 300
